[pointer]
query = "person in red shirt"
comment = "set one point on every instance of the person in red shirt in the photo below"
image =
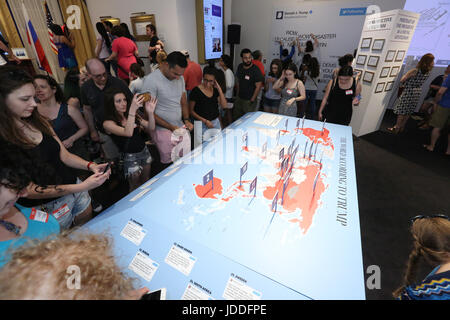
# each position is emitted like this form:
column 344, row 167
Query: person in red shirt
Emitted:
column 257, row 58
column 193, row 74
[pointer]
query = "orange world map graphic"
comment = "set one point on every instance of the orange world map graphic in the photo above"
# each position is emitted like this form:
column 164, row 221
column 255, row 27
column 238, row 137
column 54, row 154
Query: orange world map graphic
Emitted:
column 303, row 196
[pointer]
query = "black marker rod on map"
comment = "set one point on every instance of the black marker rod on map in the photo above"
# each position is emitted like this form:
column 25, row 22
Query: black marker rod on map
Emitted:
column 323, row 125
column 304, row 152
column 310, row 149
column 315, row 181
column 315, row 151
column 303, row 121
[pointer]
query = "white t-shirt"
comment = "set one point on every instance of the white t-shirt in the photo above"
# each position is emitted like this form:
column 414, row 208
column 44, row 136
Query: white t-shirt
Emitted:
column 168, row 92
column 136, row 85
column 229, row 80
column 104, row 52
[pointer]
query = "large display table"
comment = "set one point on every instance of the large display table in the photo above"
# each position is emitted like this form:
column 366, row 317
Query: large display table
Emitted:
column 266, row 210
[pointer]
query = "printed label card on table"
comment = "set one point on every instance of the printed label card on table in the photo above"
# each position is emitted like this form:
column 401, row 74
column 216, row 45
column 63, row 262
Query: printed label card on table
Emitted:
column 237, row 289
column 134, row 232
column 180, row 259
column 195, row 291
column 143, row 265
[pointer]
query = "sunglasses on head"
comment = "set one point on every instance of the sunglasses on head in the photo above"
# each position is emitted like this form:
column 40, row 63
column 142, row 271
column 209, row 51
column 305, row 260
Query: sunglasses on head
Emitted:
column 443, row 216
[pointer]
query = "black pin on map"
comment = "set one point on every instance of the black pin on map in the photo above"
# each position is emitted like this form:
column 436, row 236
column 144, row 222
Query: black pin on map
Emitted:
column 253, row 186
column 281, row 154
column 243, row 170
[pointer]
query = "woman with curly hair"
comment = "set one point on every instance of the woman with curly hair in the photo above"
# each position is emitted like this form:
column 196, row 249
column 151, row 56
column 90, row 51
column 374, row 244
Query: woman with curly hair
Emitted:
column 431, row 236
column 39, row 271
column 18, row 224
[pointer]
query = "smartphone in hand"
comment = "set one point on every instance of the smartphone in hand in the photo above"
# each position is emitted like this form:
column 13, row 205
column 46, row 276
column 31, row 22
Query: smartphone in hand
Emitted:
column 159, row 294
column 107, row 167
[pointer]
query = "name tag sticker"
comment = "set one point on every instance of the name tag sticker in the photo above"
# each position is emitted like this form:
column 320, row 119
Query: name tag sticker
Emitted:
column 61, row 212
column 38, row 215
column 347, row 92
column 247, row 77
column 289, row 91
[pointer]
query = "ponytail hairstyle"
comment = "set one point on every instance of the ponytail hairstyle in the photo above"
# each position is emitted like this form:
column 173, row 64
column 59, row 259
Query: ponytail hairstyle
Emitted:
column 13, row 78
column 431, row 236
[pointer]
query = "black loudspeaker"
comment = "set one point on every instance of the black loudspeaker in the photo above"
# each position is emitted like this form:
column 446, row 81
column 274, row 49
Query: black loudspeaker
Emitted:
column 234, row 34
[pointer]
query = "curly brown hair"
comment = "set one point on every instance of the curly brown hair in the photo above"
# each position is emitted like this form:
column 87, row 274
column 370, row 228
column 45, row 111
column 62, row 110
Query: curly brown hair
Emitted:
column 39, row 269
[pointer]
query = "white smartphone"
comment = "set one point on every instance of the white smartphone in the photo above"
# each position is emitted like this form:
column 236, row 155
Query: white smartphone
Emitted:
column 159, row 294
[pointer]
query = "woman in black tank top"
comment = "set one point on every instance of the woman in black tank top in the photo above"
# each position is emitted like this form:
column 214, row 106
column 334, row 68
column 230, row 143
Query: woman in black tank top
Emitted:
column 22, row 125
column 340, row 96
column 123, row 124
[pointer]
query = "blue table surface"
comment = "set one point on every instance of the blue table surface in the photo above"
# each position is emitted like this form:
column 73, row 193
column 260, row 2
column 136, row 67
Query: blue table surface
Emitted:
column 310, row 248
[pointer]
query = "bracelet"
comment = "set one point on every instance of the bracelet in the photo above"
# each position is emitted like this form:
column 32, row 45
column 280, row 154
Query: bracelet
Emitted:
column 89, row 164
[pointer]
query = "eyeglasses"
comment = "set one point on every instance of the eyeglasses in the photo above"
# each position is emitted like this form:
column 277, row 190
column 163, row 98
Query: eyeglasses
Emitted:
column 206, row 80
column 443, row 216
column 98, row 76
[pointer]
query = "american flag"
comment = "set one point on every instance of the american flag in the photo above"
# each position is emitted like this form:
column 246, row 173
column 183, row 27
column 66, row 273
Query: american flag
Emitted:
column 50, row 33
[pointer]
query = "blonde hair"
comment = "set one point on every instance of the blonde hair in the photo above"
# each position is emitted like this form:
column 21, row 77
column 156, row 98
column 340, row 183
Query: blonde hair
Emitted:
column 39, row 270
column 431, row 243
column 161, row 56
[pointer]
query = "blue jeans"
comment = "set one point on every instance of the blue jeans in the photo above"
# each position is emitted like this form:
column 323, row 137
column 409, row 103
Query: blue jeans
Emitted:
column 311, row 98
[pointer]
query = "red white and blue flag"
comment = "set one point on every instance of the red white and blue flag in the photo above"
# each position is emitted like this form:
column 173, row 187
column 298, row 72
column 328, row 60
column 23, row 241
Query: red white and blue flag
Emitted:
column 34, row 42
column 49, row 20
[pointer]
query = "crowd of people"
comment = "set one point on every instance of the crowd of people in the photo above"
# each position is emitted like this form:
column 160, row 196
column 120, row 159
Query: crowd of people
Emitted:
column 47, row 173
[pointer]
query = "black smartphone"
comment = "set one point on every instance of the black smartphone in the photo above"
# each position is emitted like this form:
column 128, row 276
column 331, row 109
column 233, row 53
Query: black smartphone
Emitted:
column 107, row 167
column 159, row 294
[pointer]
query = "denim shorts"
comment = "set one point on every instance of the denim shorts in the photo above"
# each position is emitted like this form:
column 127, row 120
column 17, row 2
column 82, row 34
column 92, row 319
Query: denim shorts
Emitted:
column 66, row 208
column 271, row 103
column 135, row 162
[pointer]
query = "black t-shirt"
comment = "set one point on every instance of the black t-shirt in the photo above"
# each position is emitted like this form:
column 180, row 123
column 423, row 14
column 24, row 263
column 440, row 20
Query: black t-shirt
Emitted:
column 48, row 152
column 436, row 82
column 206, row 107
column 133, row 144
column 247, row 79
column 93, row 96
column 153, row 42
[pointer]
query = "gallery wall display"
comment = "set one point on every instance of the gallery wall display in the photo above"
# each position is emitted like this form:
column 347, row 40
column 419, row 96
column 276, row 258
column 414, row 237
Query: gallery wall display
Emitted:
column 400, row 55
column 384, row 72
column 361, row 60
column 390, row 56
column 366, row 42
column 389, row 86
column 379, row 87
column 368, row 76
column 373, row 61
column 139, row 24
column 394, row 71
column 378, row 44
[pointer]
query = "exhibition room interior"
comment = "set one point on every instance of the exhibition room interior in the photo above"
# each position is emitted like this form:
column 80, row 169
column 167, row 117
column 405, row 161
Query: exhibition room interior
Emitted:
column 268, row 204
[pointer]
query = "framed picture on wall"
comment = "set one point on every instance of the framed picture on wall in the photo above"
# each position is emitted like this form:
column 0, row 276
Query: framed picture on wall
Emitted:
column 366, row 42
column 385, row 72
column 400, row 55
column 373, row 61
column 390, row 56
column 378, row 44
column 379, row 87
column 389, row 86
column 361, row 59
column 368, row 76
column 114, row 21
column 394, row 71
column 139, row 24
